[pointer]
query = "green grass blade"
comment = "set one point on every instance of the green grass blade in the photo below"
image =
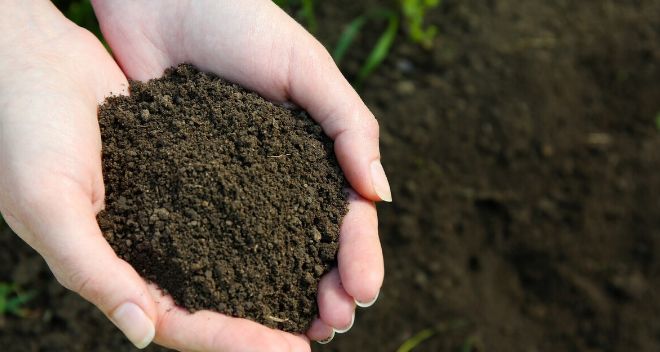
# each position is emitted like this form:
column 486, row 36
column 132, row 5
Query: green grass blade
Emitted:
column 414, row 14
column 3, row 305
column 12, row 300
column 5, row 290
column 282, row 3
column 82, row 13
column 468, row 345
column 305, row 11
column 15, row 305
column 416, row 340
column 657, row 121
column 381, row 49
column 309, row 15
column 347, row 38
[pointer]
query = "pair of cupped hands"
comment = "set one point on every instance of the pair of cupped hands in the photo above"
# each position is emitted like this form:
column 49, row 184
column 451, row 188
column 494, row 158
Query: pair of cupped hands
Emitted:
column 53, row 74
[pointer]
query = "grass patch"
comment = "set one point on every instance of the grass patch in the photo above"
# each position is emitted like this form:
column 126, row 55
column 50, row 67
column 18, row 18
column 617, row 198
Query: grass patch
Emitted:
column 425, row 334
column 408, row 13
column 379, row 51
column 13, row 299
column 305, row 11
column 411, row 13
column 414, row 13
column 470, row 344
column 416, row 340
column 81, row 13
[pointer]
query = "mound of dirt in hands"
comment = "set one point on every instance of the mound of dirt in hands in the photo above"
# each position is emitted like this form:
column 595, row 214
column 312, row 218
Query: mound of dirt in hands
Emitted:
column 225, row 200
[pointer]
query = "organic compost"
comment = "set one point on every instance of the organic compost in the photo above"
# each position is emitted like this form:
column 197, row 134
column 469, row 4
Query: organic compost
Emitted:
column 226, row 201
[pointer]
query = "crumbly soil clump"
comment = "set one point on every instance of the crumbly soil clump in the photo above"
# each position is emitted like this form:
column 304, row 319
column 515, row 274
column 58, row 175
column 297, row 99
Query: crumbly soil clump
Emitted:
column 224, row 200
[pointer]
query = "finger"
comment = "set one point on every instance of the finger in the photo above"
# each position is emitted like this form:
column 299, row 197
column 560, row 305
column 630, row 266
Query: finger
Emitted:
column 360, row 257
column 317, row 85
column 210, row 331
column 320, row 332
column 285, row 62
column 66, row 234
column 336, row 307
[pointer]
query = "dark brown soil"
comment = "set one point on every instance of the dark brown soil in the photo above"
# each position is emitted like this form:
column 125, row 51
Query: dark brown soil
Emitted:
column 225, row 200
column 524, row 164
column 525, row 167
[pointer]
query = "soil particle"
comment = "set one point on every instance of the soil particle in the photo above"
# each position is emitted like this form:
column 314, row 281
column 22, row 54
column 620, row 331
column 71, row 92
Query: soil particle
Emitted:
column 225, row 200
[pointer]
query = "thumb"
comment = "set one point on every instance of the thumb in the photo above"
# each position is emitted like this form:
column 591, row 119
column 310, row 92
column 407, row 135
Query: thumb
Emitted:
column 343, row 115
column 287, row 63
column 67, row 235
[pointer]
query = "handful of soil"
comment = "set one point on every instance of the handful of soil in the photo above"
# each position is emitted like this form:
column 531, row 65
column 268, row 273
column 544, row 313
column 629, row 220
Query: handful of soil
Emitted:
column 223, row 199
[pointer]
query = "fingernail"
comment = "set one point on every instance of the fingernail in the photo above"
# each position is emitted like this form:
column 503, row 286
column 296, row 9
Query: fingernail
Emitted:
column 367, row 304
column 332, row 336
column 379, row 180
column 348, row 327
column 134, row 323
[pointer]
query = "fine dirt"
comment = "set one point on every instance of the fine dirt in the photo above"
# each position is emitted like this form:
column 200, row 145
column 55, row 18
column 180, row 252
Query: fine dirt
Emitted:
column 523, row 156
column 225, row 200
column 525, row 162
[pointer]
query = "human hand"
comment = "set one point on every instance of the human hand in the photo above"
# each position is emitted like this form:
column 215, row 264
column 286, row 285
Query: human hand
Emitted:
column 53, row 74
column 257, row 45
column 50, row 178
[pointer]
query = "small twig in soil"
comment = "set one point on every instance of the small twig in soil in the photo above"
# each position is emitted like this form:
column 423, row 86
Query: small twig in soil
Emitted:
column 278, row 156
column 276, row 319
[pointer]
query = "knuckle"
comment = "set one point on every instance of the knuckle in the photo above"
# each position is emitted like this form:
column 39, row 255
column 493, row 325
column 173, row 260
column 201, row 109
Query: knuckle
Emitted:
column 81, row 284
column 318, row 52
column 85, row 285
column 372, row 127
column 74, row 280
column 71, row 275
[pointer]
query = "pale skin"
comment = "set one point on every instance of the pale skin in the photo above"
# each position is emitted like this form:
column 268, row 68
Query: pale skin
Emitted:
column 53, row 74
